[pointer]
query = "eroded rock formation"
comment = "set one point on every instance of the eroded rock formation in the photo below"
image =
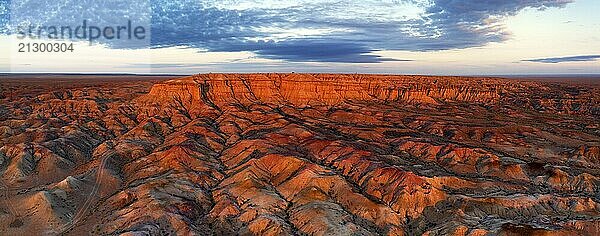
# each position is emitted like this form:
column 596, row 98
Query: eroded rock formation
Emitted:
column 299, row 154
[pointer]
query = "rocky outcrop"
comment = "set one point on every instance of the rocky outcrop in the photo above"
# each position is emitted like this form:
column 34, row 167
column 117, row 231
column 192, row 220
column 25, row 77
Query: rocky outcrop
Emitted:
column 327, row 89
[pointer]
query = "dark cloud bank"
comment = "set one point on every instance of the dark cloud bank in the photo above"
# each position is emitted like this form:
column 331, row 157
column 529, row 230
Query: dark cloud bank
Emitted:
column 446, row 24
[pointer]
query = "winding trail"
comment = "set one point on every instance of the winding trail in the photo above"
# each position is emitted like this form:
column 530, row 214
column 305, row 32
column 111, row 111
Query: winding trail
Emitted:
column 89, row 200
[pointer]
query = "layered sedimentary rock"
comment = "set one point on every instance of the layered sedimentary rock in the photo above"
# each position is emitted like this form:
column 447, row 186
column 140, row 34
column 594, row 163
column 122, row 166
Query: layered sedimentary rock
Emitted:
column 327, row 89
column 299, row 154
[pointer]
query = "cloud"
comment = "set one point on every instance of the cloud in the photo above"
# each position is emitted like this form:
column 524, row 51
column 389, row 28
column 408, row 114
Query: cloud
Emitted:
column 476, row 22
column 307, row 50
column 555, row 60
column 356, row 29
column 312, row 30
column 4, row 16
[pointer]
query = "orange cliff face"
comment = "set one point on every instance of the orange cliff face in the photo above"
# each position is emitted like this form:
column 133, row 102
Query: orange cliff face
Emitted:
column 333, row 89
column 299, row 154
column 328, row 89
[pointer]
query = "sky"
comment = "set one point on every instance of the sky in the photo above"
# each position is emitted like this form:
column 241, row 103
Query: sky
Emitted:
column 446, row 37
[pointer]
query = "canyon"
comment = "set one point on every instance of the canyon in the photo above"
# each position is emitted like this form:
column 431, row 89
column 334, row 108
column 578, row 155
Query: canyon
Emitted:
column 299, row 154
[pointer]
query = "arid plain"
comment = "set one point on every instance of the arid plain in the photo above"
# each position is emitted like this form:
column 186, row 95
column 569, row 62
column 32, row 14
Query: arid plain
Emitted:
column 299, row 154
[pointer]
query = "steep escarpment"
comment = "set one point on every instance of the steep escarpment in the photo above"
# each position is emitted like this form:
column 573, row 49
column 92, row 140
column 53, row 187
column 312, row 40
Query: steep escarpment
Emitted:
column 333, row 89
column 328, row 89
column 300, row 154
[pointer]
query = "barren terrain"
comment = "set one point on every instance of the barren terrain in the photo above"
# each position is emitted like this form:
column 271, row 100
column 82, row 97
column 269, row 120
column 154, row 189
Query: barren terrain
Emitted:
column 299, row 154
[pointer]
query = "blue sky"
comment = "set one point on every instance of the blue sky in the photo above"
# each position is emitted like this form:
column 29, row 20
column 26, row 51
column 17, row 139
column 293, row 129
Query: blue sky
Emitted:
column 370, row 36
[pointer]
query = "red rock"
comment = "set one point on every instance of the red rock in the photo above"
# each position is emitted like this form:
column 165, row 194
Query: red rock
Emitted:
column 288, row 154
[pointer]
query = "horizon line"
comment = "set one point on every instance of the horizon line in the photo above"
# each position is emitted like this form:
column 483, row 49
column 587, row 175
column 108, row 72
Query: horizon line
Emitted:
column 533, row 75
